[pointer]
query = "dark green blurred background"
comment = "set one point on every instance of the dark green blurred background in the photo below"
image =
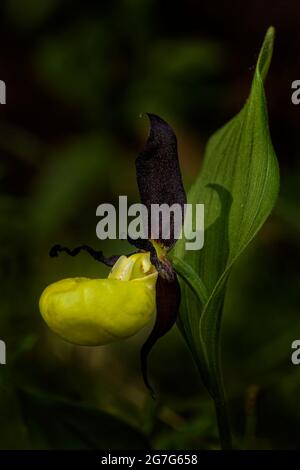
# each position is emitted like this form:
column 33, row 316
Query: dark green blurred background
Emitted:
column 78, row 75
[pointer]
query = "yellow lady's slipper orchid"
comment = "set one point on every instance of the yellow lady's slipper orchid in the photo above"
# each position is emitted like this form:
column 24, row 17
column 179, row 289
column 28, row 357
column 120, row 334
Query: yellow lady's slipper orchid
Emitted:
column 98, row 311
column 93, row 312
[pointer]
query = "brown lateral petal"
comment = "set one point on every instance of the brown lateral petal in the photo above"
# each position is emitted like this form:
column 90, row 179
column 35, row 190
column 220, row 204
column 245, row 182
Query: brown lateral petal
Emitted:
column 96, row 255
column 167, row 303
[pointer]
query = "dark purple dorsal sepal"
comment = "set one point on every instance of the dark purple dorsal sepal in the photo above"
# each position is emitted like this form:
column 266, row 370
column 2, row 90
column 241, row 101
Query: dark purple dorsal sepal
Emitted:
column 159, row 178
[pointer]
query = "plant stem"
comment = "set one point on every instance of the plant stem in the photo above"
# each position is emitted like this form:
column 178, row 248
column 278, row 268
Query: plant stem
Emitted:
column 223, row 424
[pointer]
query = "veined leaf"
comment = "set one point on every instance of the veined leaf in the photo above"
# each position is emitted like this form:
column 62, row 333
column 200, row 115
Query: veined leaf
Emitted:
column 238, row 186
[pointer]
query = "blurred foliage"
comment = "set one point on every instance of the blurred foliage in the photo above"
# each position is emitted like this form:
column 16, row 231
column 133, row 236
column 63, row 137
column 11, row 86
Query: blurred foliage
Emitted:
column 78, row 75
column 58, row 424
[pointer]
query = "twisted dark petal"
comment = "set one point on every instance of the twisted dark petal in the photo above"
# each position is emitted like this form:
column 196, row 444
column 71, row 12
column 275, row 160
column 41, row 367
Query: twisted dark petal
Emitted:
column 167, row 303
column 159, row 177
column 140, row 243
column 96, row 255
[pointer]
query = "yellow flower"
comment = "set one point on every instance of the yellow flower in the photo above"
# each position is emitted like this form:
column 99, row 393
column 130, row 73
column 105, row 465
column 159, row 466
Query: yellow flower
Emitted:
column 93, row 312
column 98, row 311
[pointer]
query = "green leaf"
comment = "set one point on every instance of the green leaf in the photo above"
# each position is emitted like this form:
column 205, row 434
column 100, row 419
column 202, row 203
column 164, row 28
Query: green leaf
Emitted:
column 54, row 423
column 191, row 278
column 238, row 186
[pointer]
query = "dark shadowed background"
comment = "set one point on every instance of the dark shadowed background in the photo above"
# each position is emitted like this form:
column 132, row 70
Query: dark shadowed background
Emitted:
column 78, row 75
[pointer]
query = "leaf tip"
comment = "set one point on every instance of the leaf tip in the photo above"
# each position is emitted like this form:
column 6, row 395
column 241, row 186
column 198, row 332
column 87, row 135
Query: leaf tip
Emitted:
column 266, row 52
